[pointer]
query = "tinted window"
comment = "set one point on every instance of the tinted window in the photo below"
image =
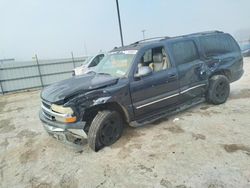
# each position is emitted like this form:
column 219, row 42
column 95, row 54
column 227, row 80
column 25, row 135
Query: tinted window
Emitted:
column 96, row 60
column 184, row 52
column 218, row 44
column 148, row 56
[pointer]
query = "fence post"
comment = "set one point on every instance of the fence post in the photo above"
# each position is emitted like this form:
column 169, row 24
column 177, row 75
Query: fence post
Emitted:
column 39, row 71
column 1, row 87
column 73, row 60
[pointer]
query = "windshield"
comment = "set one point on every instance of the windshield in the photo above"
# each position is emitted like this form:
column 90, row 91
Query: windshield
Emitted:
column 116, row 63
column 87, row 60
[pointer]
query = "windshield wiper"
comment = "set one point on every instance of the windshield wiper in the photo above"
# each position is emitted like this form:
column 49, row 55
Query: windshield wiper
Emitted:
column 90, row 72
column 104, row 73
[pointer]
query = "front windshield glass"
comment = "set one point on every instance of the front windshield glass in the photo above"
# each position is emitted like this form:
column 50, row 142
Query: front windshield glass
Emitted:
column 116, row 63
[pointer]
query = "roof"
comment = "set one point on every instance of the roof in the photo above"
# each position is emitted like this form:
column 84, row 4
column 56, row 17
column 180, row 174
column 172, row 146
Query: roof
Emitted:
column 138, row 44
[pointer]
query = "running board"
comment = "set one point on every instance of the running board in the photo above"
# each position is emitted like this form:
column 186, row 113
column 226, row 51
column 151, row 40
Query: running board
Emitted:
column 166, row 113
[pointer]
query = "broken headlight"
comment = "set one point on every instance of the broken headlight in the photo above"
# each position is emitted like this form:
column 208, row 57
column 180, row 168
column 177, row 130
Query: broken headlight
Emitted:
column 61, row 109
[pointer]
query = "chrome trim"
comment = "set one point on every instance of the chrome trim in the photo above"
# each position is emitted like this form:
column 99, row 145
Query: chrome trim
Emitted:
column 54, row 113
column 174, row 95
column 184, row 91
column 49, row 104
column 157, row 100
column 47, row 116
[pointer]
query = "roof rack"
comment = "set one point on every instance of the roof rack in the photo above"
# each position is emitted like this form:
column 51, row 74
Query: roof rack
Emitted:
column 149, row 39
column 204, row 33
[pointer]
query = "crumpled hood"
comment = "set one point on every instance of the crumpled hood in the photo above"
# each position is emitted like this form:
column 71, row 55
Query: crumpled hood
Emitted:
column 77, row 84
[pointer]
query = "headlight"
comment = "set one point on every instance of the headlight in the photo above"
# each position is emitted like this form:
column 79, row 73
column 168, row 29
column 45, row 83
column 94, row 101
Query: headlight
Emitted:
column 61, row 109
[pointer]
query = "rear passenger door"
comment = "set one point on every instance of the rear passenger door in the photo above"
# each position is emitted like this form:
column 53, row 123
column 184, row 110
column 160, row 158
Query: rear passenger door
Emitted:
column 191, row 69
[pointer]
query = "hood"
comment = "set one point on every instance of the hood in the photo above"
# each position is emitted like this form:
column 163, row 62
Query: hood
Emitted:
column 77, row 84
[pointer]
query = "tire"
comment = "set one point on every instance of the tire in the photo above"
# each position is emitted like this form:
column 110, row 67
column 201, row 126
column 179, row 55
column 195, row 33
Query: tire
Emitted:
column 219, row 89
column 105, row 129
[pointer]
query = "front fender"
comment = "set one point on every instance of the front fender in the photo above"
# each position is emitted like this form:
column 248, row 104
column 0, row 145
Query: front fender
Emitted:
column 117, row 95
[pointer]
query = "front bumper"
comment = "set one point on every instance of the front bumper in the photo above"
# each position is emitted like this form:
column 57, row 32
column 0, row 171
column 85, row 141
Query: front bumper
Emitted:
column 65, row 132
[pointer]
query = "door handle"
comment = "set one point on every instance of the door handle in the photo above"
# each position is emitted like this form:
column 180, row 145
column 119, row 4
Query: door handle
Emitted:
column 172, row 76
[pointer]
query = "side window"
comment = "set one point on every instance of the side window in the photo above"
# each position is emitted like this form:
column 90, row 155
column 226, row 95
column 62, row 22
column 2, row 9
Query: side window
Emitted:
column 185, row 52
column 147, row 57
column 233, row 44
column 218, row 44
column 101, row 56
column 96, row 60
column 155, row 58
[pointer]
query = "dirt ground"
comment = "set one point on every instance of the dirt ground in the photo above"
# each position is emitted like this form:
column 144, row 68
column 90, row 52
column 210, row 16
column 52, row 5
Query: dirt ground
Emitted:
column 205, row 146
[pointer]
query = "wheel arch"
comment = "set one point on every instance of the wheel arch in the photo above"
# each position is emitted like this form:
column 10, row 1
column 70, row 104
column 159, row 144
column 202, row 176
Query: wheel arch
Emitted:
column 224, row 72
column 91, row 112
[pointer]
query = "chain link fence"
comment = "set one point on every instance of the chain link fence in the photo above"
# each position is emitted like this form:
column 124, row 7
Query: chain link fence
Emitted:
column 16, row 76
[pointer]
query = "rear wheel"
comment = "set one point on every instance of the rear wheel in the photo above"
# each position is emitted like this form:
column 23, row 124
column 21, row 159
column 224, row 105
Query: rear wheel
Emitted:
column 219, row 89
column 105, row 129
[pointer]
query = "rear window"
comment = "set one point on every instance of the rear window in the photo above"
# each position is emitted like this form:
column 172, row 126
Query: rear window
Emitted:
column 185, row 52
column 218, row 44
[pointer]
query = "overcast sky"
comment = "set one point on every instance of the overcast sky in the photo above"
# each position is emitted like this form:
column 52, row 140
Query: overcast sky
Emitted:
column 54, row 28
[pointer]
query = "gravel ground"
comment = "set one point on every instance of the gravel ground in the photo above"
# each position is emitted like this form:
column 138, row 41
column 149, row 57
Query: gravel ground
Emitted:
column 205, row 146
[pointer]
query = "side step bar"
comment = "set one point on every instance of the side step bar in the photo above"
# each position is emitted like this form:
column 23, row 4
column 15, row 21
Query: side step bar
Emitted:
column 166, row 113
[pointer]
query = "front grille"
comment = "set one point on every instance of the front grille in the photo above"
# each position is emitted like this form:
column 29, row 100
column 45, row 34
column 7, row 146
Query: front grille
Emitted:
column 45, row 113
column 48, row 116
column 46, row 104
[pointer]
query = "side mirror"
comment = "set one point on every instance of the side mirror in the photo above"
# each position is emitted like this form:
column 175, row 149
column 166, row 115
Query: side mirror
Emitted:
column 143, row 71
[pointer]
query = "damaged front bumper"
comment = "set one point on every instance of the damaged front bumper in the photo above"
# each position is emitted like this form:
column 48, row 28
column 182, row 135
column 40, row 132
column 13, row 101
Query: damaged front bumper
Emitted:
column 69, row 133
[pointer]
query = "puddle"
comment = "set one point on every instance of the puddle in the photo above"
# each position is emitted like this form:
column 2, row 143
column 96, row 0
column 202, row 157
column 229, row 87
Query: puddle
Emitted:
column 198, row 136
column 174, row 129
column 6, row 126
column 244, row 93
column 2, row 105
column 27, row 134
column 205, row 107
column 236, row 147
column 27, row 156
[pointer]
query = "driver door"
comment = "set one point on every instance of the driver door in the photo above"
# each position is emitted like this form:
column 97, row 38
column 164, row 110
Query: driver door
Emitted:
column 158, row 90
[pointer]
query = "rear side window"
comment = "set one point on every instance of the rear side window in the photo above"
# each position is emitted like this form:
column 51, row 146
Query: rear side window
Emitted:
column 218, row 44
column 185, row 52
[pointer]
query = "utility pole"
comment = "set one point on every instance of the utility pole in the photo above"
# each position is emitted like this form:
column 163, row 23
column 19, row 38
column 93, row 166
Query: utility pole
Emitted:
column 143, row 34
column 119, row 20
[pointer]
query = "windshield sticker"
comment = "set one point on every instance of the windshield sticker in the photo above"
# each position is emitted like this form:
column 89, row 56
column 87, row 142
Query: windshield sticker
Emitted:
column 124, row 52
column 130, row 51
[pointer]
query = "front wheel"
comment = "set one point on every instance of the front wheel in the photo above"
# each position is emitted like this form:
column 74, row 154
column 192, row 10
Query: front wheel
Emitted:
column 105, row 129
column 219, row 89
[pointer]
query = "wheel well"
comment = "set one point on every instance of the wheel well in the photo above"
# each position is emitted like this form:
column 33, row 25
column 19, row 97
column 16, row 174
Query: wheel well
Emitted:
column 90, row 113
column 226, row 73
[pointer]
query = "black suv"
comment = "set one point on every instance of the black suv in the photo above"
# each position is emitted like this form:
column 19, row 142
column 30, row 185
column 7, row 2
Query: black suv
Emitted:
column 140, row 83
